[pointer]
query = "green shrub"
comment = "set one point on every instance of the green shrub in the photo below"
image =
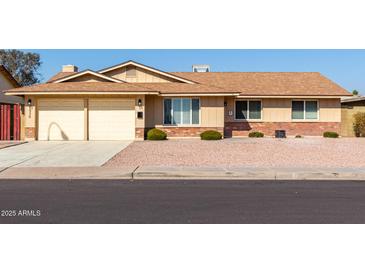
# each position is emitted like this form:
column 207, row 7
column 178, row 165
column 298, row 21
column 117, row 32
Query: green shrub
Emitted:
column 156, row 134
column 256, row 134
column 330, row 134
column 210, row 135
column 298, row 136
column 359, row 124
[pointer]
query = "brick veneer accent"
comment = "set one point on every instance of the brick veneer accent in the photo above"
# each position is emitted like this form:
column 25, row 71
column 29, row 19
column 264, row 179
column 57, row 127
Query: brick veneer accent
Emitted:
column 233, row 129
column 29, row 132
column 140, row 132
column 188, row 131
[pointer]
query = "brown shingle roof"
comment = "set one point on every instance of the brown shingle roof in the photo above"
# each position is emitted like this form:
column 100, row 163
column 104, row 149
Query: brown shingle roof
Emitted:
column 82, row 87
column 59, row 75
column 245, row 83
column 163, row 88
column 170, row 88
column 269, row 83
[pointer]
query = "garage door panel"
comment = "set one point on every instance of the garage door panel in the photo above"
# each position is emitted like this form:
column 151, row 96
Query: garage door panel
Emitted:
column 103, row 104
column 61, row 103
column 111, row 119
column 61, row 120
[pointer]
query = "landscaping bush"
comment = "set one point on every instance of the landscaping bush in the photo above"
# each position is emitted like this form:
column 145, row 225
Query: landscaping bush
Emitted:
column 156, row 134
column 330, row 134
column 256, row 134
column 359, row 124
column 210, row 135
column 298, row 136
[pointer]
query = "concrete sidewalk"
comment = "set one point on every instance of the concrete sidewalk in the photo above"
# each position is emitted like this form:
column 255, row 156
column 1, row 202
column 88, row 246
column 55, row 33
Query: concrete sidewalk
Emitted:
column 160, row 173
column 66, row 173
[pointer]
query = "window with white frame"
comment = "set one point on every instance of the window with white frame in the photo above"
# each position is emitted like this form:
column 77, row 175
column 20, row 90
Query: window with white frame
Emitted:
column 304, row 110
column 181, row 111
column 248, row 110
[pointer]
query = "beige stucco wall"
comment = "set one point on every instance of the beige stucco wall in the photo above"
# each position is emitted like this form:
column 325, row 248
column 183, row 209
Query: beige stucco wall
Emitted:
column 330, row 110
column 30, row 113
column 29, row 117
column 154, row 111
column 142, row 76
column 279, row 110
column 4, row 85
column 140, row 123
column 347, row 115
column 211, row 111
column 276, row 110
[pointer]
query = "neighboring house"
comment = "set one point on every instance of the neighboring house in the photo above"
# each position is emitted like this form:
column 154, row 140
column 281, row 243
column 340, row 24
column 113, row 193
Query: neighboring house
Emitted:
column 350, row 106
column 124, row 101
column 10, row 108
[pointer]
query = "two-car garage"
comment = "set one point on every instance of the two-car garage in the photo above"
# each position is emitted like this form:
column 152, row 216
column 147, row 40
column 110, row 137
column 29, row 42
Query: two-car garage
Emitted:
column 86, row 119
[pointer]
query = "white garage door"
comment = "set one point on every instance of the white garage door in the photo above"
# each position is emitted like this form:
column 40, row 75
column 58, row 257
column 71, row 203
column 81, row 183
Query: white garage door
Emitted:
column 111, row 119
column 61, row 119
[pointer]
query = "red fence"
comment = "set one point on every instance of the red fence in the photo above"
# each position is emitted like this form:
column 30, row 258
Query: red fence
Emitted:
column 9, row 122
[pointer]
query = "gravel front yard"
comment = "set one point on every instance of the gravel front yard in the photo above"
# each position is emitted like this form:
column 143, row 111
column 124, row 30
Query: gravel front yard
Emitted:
column 247, row 152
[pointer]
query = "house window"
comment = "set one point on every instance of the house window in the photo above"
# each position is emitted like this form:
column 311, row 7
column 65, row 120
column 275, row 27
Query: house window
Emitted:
column 131, row 71
column 248, row 110
column 304, row 110
column 181, row 111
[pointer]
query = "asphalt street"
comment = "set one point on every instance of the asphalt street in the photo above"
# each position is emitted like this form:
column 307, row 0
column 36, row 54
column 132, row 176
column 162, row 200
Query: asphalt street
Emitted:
column 182, row 202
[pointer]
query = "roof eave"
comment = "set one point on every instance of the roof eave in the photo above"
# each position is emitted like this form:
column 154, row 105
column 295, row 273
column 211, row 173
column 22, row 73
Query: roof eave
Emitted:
column 81, row 92
column 349, row 100
column 172, row 94
column 85, row 72
column 291, row 96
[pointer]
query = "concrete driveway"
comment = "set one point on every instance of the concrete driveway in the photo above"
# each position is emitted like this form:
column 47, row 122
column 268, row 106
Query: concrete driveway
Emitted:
column 60, row 154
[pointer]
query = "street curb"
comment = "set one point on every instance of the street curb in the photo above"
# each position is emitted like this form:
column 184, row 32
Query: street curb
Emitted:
column 180, row 173
column 252, row 176
column 248, row 173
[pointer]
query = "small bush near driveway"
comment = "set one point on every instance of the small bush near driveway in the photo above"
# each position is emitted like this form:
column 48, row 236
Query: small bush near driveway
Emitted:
column 210, row 135
column 156, row 134
column 359, row 124
column 256, row 134
column 330, row 134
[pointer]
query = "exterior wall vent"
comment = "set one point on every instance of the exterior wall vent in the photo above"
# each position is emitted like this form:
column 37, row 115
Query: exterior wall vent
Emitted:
column 201, row 68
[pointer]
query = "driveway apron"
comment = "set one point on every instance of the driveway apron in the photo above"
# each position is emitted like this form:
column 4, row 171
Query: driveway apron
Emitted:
column 60, row 154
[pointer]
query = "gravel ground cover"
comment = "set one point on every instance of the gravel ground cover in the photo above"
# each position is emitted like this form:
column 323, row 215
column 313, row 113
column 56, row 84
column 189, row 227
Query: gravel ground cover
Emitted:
column 315, row 152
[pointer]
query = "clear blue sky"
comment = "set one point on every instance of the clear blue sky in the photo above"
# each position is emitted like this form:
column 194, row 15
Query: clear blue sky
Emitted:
column 346, row 67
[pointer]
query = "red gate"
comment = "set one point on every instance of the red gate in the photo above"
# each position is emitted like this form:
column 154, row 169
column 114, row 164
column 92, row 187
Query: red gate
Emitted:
column 9, row 122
